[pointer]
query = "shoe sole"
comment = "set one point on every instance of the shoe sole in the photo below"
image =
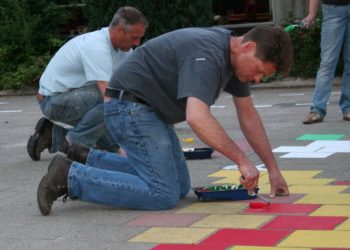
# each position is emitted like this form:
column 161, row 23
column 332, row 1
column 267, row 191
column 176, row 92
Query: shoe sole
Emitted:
column 308, row 123
column 312, row 122
column 33, row 139
column 43, row 204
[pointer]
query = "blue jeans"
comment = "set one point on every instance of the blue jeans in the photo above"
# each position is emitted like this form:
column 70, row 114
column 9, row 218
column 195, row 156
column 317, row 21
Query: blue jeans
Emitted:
column 81, row 108
column 154, row 175
column 335, row 35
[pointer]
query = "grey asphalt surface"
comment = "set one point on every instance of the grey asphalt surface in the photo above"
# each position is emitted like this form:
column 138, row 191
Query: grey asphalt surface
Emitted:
column 79, row 225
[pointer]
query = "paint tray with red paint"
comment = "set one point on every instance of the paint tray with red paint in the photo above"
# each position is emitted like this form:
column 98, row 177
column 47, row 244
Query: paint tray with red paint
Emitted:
column 224, row 192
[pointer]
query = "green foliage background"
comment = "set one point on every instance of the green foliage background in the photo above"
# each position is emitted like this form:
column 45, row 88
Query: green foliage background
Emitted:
column 163, row 15
column 307, row 50
column 30, row 32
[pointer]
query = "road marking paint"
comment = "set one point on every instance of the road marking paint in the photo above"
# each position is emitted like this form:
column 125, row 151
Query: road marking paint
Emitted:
column 303, row 104
column 263, row 106
column 292, row 94
column 11, row 111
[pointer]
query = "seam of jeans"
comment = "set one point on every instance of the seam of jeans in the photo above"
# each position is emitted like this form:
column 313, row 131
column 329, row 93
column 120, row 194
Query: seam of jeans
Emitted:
column 155, row 187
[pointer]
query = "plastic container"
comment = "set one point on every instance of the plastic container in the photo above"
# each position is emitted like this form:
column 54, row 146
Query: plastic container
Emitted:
column 197, row 153
column 224, row 192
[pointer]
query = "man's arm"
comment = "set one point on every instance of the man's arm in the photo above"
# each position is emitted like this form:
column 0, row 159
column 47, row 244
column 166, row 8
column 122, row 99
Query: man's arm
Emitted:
column 102, row 85
column 207, row 128
column 313, row 7
column 254, row 131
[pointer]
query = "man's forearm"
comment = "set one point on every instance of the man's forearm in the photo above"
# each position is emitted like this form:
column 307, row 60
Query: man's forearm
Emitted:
column 313, row 7
column 102, row 85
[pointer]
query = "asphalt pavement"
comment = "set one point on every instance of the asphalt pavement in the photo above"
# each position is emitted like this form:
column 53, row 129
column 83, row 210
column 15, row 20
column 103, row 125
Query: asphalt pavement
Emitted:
column 79, row 225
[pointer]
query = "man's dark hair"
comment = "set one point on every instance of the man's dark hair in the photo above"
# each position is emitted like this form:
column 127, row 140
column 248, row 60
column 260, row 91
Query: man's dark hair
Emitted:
column 273, row 45
column 128, row 16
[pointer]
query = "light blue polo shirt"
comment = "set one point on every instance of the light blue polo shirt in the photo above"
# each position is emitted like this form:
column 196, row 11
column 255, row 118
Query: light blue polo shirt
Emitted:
column 80, row 62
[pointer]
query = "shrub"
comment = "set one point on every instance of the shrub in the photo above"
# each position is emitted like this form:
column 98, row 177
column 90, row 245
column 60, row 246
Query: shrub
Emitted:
column 27, row 29
column 307, row 50
column 163, row 15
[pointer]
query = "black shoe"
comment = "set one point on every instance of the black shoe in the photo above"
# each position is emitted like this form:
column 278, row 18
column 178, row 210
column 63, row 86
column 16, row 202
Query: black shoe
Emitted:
column 41, row 139
column 54, row 184
column 346, row 116
column 78, row 153
column 65, row 147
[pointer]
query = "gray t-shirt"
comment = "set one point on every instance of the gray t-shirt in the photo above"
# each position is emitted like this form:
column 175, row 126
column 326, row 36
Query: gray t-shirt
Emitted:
column 192, row 62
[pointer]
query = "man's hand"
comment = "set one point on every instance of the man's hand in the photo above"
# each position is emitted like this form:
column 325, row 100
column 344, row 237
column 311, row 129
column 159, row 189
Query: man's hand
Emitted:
column 249, row 176
column 278, row 185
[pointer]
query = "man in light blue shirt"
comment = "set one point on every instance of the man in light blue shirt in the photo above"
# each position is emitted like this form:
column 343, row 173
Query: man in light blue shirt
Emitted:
column 73, row 84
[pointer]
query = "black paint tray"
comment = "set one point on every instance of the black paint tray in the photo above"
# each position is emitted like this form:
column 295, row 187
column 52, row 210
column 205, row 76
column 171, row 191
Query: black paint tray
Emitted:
column 224, row 192
column 197, row 153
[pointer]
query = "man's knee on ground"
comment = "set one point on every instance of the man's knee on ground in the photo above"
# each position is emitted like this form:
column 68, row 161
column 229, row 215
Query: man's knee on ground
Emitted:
column 167, row 202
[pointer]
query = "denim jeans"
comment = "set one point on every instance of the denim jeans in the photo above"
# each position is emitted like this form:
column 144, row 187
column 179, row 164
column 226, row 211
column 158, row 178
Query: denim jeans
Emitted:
column 335, row 36
column 154, row 175
column 81, row 108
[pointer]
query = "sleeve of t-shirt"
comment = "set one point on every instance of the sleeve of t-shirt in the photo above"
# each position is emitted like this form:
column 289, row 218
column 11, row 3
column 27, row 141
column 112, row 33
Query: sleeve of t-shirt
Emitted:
column 200, row 78
column 237, row 88
column 97, row 62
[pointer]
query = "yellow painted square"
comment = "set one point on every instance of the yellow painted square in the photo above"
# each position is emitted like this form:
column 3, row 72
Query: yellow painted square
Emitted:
column 332, row 210
column 336, row 199
column 266, row 248
column 300, row 174
column 313, row 239
column 173, row 235
column 226, row 173
column 224, row 207
column 264, row 189
column 232, row 221
column 228, row 180
column 308, row 182
column 324, row 190
column 345, row 226
column 263, row 179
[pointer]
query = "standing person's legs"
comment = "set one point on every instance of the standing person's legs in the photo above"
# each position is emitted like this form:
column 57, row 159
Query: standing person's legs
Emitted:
column 155, row 184
column 344, row 102
column 333, row 30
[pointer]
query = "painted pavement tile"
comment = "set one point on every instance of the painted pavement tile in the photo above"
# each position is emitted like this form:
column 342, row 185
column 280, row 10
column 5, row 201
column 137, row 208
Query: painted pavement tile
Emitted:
column 305, row 222
column 320, row 238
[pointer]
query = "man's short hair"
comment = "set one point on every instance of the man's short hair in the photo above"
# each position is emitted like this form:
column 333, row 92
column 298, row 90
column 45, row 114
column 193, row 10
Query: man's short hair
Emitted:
column 273, row 45
column 128, row 16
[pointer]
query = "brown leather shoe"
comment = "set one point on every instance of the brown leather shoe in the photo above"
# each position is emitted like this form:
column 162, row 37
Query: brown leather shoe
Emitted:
column 313, row 117
column 41, row 139
column 54, row 184
column 78, row 153
column 346, row 116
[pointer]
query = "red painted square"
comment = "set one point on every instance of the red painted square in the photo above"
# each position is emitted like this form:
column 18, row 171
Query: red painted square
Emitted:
column 166, row 220
column 184, row 247
column 341, row 183
column 225, row 238
column 279, row 199
column 275, row 208
column 305, row 222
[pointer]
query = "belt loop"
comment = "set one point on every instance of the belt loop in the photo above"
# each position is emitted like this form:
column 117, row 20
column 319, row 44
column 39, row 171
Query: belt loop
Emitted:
column 121, row 93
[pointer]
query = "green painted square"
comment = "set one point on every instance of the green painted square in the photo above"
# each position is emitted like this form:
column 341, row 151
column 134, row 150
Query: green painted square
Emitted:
column 319, row 137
